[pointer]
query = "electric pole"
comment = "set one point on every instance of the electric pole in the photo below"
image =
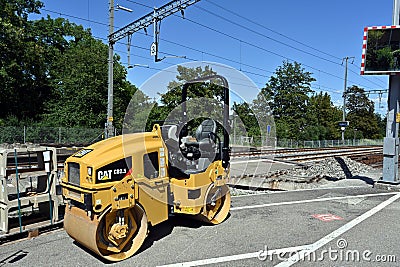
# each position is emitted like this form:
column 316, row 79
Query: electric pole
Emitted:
column 142, row 23
column 109, row 129
column 343, row 128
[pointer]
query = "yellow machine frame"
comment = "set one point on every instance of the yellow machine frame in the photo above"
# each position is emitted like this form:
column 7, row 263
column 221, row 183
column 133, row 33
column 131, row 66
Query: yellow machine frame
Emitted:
column 112, row 196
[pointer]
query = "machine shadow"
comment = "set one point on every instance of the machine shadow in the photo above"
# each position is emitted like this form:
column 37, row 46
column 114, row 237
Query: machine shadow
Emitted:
column 344, row 167
column 164, row 229
column 13, row 258
column 348, row 174
column 365, row 179
column 104, row 261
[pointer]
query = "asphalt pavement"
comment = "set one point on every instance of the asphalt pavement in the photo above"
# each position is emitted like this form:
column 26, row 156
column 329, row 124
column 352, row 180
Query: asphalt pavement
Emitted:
column 342, row 226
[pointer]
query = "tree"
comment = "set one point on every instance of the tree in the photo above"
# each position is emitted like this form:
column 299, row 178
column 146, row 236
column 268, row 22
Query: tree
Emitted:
column 381, row 124
column 287, row 93
column 248, row 125
column 322, row 118
column 24, row 86
column 255, row 118
column 53, row 72
column 141, row 114
column 204, row 99
column 172, row 98
column 79, row 76
column 360, row 114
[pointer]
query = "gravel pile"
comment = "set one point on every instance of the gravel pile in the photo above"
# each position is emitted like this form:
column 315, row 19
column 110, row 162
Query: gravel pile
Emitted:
column 337, row 167
column 310, row 176
column 334, row 167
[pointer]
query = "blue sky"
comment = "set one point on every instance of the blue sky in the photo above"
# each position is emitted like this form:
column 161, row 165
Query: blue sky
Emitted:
column 316, row 33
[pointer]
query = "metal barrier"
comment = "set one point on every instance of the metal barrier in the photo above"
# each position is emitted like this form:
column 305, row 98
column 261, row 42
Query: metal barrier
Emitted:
column 28, row 195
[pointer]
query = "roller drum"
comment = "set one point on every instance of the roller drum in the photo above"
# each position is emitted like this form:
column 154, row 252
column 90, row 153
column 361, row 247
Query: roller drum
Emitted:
column 93, row 232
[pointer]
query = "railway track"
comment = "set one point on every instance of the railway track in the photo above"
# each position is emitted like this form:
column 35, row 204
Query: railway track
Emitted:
column 320, row 155
column 369, row 154
column 366, row 154
column 373, row 160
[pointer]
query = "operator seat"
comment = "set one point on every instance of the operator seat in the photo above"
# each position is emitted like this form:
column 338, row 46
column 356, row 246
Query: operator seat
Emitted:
column 203, row 135
column 204, row 146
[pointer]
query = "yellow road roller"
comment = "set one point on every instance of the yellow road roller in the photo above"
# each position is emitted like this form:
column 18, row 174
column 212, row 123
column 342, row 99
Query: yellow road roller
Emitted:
column 116, row 188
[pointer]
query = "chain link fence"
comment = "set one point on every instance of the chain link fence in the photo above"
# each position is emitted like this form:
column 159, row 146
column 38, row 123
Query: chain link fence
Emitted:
column 84, row 136
column 265, row 141
column 329, row 143
column 257, row 141
column 50, row 135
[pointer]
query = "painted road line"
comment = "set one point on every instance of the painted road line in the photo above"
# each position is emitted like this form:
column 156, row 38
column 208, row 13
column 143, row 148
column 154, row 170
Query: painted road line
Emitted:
column 302, row 251
column 322, row 188
column 310, row 201
column 328, row 238
column 251, row 255
column 300, row 190
column 262, row 160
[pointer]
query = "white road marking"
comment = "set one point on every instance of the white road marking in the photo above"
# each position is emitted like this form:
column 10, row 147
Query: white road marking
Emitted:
column 310, row 201
column 237, row 257
column 322, row 188
column 302, row 251
column 261, row 160
column 301, row 190
column 328, row 238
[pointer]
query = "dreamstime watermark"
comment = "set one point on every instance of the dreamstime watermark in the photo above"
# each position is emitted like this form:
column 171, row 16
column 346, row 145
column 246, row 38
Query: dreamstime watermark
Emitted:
column 340, row 253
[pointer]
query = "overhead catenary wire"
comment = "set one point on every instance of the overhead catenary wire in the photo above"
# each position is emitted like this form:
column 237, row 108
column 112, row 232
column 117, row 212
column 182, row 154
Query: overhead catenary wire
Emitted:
column 193, row 59
column 168, row 41
column 289, row 38
column 332, row 90
column 260, row 84
column 200, row 51
column 254, row 45
column 265, row 36
column 165, row 62
column 382, row 83
column 271, row 30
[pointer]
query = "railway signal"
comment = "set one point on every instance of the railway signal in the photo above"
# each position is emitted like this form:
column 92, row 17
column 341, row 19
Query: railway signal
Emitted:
column 382, row 40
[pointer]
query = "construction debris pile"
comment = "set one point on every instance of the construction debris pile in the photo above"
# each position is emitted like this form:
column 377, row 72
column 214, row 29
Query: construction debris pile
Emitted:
column 310, row 176
column 334, row 167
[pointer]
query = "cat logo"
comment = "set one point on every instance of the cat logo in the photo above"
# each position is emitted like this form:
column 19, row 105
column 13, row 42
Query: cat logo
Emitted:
column 104, row 175
column 82, row 153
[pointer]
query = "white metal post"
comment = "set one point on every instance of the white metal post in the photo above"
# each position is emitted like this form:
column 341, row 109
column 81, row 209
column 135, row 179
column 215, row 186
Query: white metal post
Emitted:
column 391, row 142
